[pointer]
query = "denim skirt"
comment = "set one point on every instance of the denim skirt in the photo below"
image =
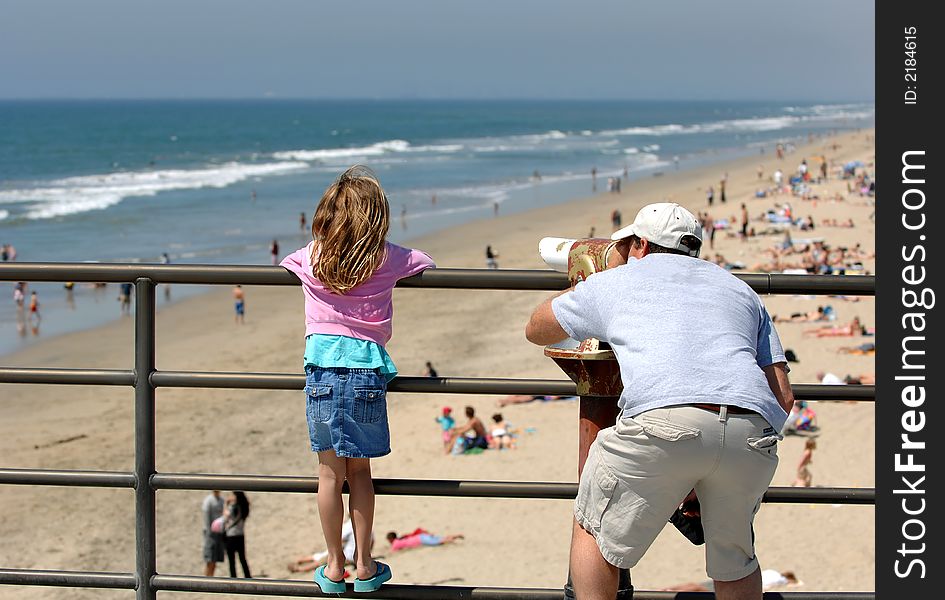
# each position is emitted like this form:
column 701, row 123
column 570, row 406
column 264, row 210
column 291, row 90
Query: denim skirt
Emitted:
column 346, row 410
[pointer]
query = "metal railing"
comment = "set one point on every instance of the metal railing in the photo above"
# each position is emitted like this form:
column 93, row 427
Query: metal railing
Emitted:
column 145, row 378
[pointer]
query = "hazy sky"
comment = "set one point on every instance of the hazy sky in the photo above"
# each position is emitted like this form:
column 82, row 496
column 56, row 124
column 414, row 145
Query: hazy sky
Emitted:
column 653, row 49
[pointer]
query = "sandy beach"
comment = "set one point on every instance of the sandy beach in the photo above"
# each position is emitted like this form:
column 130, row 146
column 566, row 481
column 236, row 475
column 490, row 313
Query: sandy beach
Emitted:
column 463, row 333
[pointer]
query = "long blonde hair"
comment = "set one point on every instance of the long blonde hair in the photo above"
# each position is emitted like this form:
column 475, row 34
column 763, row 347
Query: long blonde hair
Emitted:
column 350, row 230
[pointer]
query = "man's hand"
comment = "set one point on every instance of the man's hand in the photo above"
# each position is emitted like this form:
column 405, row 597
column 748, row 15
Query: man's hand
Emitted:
column 543, row 327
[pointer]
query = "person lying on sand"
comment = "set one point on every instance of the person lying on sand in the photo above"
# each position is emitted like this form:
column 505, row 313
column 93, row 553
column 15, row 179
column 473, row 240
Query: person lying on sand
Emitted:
column 799, row 317
column 865, row 349
column 419, row 537
column 854, row 327
column 310, row 562
column 521, row 399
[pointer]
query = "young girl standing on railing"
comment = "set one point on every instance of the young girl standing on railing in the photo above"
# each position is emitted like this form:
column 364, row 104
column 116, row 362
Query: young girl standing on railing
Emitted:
column 348, row 273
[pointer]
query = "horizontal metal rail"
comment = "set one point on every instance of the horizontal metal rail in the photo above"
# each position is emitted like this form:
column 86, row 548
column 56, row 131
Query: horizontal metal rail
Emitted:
column 102, row 479
column 45, row 375
column 184, row 583
column 416, row 385
column 388, row 487
column 491, row 279
column 80, row 579
column 288, row 587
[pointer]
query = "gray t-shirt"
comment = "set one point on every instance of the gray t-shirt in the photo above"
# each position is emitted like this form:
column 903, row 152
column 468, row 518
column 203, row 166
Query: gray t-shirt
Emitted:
column 212, row 508
column 684, row 331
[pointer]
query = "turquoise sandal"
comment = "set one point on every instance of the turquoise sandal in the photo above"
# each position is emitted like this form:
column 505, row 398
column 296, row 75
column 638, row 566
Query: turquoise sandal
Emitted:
column 329, row 586
column 374, row 583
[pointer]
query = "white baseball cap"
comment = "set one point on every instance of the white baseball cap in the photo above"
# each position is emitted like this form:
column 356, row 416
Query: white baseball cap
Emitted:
column 664, row 224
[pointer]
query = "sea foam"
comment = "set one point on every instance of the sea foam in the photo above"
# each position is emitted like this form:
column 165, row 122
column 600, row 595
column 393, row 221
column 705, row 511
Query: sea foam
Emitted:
column 72, row 195
column 798, row 116
column 379, row 149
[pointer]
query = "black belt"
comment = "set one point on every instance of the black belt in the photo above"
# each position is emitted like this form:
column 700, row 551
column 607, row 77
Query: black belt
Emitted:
column 717, row 408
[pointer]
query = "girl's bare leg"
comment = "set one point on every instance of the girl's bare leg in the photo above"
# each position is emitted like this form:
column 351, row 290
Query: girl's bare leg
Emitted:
column 332, row 471
column 361, row 509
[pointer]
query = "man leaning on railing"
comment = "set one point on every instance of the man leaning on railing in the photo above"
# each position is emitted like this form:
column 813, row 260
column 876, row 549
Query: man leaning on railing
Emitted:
column 705, row 393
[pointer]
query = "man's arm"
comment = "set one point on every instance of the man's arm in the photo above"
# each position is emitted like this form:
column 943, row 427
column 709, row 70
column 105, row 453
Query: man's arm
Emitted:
column 777, row 377
column 543, row 327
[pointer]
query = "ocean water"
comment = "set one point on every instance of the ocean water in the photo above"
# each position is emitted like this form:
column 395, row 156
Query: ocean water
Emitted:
column 217, row 181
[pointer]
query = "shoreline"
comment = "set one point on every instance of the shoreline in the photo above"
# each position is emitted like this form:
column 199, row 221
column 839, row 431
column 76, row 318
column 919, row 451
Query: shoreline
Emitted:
column 698, row 164
column 476, row 334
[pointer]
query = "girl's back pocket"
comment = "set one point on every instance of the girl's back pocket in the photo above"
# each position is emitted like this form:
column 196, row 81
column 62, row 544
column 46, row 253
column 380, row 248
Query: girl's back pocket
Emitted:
column 318, row 402
column 369, row 404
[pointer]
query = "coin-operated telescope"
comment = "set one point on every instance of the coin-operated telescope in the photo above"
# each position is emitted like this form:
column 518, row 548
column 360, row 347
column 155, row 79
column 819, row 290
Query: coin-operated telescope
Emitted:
column 589, row 363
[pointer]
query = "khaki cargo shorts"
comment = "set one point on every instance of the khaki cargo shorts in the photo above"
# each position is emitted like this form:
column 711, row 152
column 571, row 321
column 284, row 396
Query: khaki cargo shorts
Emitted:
column 639, row 470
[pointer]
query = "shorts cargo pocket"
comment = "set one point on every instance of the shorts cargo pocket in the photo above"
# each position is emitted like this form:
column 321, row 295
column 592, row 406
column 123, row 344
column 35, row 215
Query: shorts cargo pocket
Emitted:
column 765, row 445
column 665, row 429
column 318, row 402
column 595, row 494
column 369, row 404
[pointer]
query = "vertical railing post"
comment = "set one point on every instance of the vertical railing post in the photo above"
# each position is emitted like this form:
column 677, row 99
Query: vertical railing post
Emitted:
column 145, row 547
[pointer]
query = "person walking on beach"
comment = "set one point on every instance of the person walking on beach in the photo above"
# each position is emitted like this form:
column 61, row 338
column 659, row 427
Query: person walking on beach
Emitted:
column 69, row 286
column 34, row 307
column 19, row 295
column 239, row 305
column 348, row 272
column 744, row 222
column 166, row 260
column 804, row 476
column 710, row 226
column 490, row 258
column 236, row 513
column 302, row 222
column 701, row 405
column 431, row 372
column 593, row 179
column 615, row 219
column 213, row 544
column 124, row 298
column 710, row 195
column 274, row 252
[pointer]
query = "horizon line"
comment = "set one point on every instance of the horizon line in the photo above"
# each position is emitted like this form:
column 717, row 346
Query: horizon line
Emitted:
column 415, row 99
